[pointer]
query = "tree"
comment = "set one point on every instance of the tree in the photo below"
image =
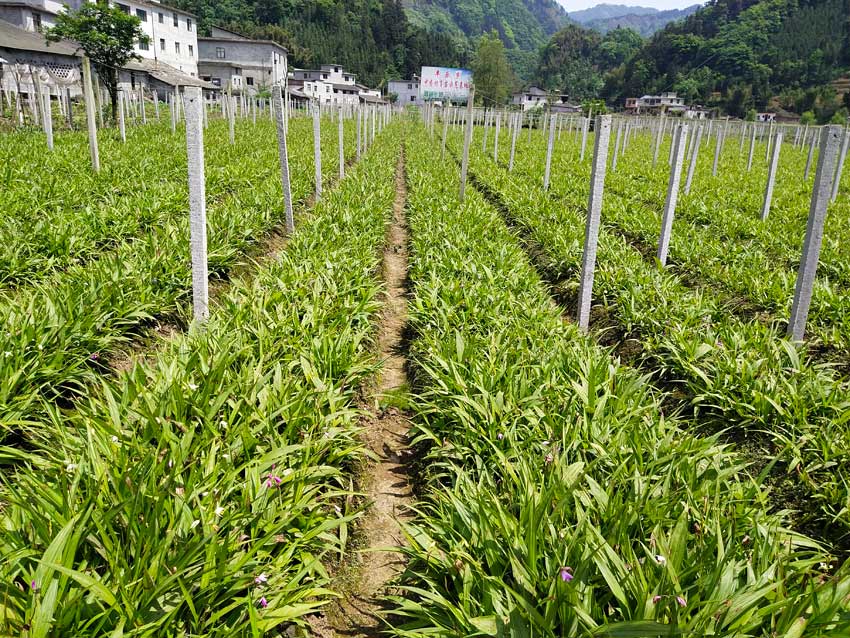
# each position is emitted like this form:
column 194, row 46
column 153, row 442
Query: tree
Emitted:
column 490, row 71
column 106, row 34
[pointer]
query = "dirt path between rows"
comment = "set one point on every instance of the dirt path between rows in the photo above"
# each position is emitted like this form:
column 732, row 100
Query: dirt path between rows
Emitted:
column 387, row 486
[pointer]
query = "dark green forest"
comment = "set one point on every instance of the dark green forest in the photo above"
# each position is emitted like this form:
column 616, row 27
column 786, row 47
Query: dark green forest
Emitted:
column 372, row 38
column 737, row 54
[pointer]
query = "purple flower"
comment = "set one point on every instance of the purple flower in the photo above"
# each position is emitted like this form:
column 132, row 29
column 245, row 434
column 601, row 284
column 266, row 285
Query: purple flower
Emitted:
column 682, row 602
column 94, row 356
column 655, row 599
column 500, row 436
column 566, row 574
column 263, row 602
column 262, row 578
column 273, row 480
column 34, row 586
column 549, row 458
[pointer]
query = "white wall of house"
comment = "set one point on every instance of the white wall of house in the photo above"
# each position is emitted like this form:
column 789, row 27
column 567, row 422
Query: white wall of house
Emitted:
column 407, row 92
column 173, row 34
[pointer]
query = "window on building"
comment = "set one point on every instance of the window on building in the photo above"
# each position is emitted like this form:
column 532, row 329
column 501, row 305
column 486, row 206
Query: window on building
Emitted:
column 324, row 76
column 142, row 15
column 188, row 24
column 162, row 44
column 125, row 8
column 205, row 78
column 219, row 53
column 412, row 98
column 162, row 18
column 327, row 89
column 336, row 69
column 305, row 76
column 191, row 51
column 174, row 18
column 143, row 45
column 237, row 71
column 409, row 86
column 216, row 82
column 250, row 81
column 177, row 48
column 36, row 22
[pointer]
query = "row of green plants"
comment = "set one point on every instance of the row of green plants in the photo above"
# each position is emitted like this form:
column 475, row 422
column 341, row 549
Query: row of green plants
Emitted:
column 59, row 335
column 718, row 236
column 731, row 372
column 209, row 489
column 559, row 498
column 60, row 213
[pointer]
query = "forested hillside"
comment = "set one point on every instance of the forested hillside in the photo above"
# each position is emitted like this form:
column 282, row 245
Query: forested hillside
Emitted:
column 644, row 21
column 740, row 53
column 373, row 38
column 523, row 25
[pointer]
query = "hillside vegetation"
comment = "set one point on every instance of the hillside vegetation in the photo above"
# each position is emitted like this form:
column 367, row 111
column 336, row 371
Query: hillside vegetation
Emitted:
column 643, row 20
column 739, row 53
column 524, row 26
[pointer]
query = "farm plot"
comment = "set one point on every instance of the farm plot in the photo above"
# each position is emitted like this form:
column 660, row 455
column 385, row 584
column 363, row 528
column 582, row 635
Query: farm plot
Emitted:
column 207, row 490
column 59, row 335
column 559, row 498
column 719, row 240
column 730, row 371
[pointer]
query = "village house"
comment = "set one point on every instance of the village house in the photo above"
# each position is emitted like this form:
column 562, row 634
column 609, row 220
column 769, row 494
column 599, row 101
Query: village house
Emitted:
column 665, row 103
column 27, row 58
column 230, row 60
column 331, row 85
column 168, row 60
column 407, row 92
column 535, row 97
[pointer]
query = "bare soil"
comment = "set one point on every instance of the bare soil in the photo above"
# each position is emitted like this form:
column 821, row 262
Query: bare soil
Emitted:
column 386, row 481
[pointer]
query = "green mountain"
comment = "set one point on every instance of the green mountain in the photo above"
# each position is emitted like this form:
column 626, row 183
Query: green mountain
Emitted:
column 738, row 54
column 646, row 21
column 607, row 11
column 524, row 26
column 372, row 38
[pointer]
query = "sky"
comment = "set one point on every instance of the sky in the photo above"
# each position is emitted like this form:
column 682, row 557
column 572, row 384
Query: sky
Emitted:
column 577, row 5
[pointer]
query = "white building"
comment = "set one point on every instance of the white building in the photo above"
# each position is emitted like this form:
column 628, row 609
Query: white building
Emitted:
column 535, row 97
column 665, row 103
column 330, row 84
column 407, row 92
column 173, row 32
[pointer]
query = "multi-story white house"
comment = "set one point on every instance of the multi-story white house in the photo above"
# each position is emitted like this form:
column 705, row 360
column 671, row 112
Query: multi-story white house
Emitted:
column 230, row 60
column 330, row 84
column 535, row 97
column 407, row 92
column 665, row 103
column 173, row 32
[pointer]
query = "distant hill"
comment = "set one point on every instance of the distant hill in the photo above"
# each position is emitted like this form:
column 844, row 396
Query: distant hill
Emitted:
column 644, row 20
column 608, row 11
column 523, row 25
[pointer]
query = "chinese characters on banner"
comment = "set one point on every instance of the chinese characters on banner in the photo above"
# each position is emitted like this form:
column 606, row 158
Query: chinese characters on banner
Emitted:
column 437, row 83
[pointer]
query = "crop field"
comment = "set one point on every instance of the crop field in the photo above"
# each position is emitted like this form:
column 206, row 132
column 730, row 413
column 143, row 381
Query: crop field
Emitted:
column 682, row 468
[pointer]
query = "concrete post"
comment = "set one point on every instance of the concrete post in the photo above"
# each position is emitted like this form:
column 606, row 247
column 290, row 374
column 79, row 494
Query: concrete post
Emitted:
column 467, row 140
column 594, row 214
column 88, row 96
column 283, row 153
column 584, row 138
column 317, row 151
column 693, row 163
column 549, row 148
column 122, row 124
column 836, row 182
column 718, row 148
column 47, row 121
column 672, row 194
column 827, row 161
column 771, row 176
column 197, row 202
column 810, row 157
column 752, row 148
column 496, row 138
column 617, row 146
column 514, row 135
column 341, row 128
